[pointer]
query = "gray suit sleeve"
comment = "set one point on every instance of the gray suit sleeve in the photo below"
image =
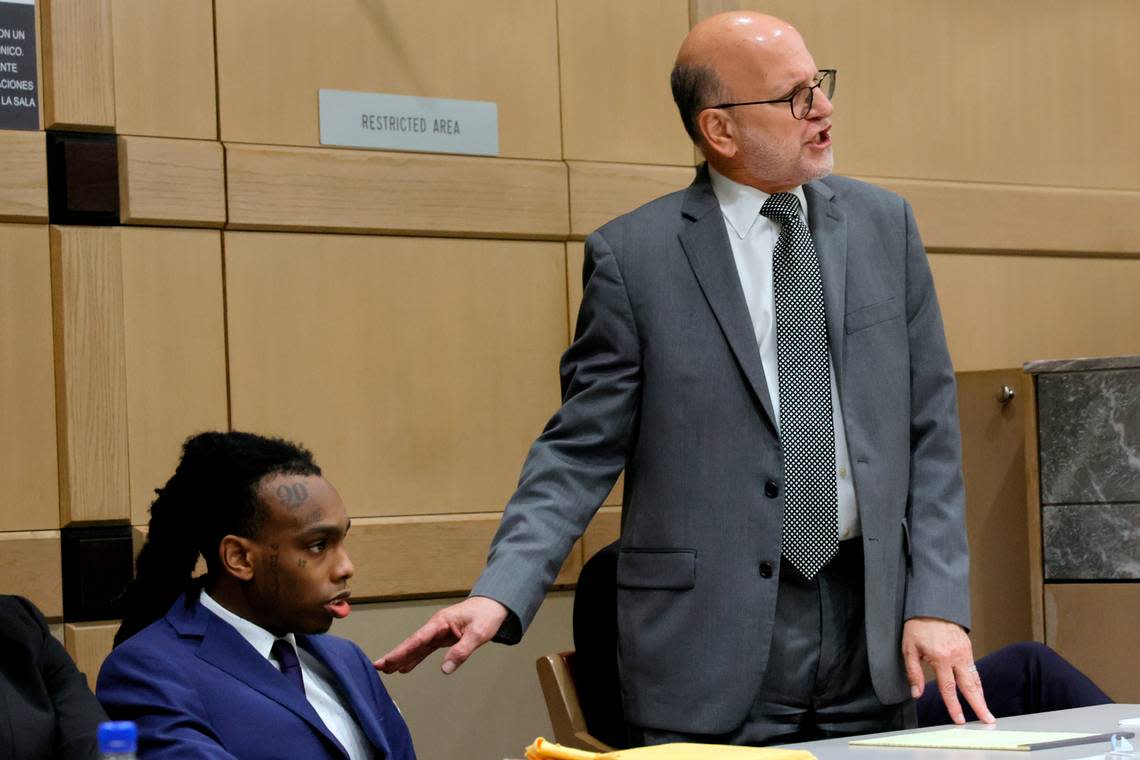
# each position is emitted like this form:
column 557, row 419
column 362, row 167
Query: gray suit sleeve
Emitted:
column 938, row 581
column 573, row 465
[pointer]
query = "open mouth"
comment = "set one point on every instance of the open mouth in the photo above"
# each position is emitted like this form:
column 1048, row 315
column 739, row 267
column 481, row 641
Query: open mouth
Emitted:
column 338, row 606
column 823, row 138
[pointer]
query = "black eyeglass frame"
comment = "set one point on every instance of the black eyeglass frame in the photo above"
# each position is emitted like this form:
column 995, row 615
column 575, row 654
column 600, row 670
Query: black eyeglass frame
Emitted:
column 824, row 74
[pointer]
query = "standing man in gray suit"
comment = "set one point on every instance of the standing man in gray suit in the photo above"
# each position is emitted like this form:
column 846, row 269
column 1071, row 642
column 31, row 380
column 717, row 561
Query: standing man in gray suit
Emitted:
column 763, row 354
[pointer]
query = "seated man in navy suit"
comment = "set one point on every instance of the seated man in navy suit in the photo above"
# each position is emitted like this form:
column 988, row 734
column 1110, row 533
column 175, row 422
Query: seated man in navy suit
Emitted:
column 236, row 663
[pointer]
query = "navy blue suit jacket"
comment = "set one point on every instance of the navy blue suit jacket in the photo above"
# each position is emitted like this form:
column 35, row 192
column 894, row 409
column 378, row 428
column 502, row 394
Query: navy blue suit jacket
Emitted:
column 197, row 689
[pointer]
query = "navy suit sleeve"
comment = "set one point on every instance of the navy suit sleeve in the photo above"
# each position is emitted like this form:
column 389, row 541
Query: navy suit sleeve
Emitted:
column 938, row 583
column 172, row 722
column 573, row 465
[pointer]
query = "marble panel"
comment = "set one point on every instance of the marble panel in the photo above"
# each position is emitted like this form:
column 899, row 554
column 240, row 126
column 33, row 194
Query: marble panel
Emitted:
column 1091, row 541
column 1089, row 437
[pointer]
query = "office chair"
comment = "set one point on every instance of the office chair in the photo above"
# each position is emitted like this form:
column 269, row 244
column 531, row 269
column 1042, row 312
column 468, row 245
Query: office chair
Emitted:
column 556, row 675
column 582, row 690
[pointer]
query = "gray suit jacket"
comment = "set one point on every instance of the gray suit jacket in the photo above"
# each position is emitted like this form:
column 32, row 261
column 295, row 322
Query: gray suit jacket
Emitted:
column 664, row 378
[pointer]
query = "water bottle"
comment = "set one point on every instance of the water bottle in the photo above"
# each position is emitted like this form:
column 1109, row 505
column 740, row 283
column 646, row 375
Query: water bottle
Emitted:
column 118, row 740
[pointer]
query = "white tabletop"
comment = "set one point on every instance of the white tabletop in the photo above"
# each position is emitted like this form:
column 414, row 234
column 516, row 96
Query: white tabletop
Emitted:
column 1099, row 719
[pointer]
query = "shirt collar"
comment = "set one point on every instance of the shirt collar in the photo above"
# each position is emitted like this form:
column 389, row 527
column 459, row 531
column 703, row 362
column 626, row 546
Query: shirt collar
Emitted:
column 741, row 204
column 259, row 638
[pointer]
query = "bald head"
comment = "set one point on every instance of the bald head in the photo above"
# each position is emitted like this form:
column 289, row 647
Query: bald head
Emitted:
column 725, row 55
column 734, row 80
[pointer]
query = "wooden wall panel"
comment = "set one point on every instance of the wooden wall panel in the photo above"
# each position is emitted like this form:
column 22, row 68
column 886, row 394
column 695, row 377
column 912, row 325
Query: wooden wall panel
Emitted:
column 27, row 402
column 23, row 165
column 427, row 556
column 274, row 57
column 171, row 182
column 575, row 257
column 1001, row 311
column 175, row 350
column 601, row 192
column 78, row 65
column 359, row 191
column 30, row 567
column 993, row 464
column 1102, row 646
column 164, row 68
column 91, row 398
column 615, row 60
column 958, row 216
column 1033, row 516
column 89, row 644
column 975, row 91
column 419, row 370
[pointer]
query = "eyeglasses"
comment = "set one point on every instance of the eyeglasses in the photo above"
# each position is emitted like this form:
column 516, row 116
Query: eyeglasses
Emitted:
column 800, row 101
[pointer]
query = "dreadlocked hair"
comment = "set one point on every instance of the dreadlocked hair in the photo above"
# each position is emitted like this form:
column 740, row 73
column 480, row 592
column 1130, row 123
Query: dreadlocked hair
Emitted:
column 213, row 493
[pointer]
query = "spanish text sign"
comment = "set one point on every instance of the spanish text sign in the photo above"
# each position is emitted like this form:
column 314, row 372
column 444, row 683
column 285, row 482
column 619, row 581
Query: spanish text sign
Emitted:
column 404, row 122
column 19, row 96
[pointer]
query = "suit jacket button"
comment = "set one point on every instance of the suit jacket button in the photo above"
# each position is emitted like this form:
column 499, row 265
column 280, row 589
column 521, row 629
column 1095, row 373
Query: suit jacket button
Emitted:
column 771, row 489
column 765, row 569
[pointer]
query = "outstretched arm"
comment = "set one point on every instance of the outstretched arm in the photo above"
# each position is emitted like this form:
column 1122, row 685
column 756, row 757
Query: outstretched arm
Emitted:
column 464, row 627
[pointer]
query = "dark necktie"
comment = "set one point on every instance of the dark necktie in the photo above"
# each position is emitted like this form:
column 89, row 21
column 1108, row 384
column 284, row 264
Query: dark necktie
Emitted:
column 807, row 433
column 284, row 653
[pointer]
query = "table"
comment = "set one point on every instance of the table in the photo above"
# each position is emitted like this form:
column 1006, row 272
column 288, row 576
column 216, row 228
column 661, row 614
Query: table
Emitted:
column 1098, row 719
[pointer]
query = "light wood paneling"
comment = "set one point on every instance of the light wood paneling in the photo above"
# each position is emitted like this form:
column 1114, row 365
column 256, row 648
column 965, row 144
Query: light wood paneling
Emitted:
column 164, row 68
column 27, row 402
column 175, row 349
column 601, row 192
column 960, row 216
column 23, row 165
column 1001, row 311
column 91, row 398
column 1094, row 627
column 30, row 567
column 89, row 644
column 575, row 257
column 78, row 67
column 1033, row 515
column 419, row 369
column 358, row 191
column 426, row 556
column 615, row 63
column 274, row 57
column 702, row 9
column 989, row 92
column 174, row 182
column 993, row 463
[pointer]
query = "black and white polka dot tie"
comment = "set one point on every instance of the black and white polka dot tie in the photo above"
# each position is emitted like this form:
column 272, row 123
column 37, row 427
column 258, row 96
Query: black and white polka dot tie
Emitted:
column 807, row 433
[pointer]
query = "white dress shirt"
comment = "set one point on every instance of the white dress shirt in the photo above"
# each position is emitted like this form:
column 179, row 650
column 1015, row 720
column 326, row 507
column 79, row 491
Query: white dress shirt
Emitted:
column 753, row 239
column 320, row 682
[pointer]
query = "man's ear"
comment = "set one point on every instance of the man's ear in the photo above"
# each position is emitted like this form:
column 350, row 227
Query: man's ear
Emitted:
column 237, row 553
column 718, row 129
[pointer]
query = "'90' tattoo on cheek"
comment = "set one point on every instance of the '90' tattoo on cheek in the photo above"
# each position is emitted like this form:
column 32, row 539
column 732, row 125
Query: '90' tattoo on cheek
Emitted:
column 292, row 496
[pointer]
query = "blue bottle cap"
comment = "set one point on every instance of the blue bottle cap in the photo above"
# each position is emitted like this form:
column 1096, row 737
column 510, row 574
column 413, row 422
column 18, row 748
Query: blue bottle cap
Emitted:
column 118, row 736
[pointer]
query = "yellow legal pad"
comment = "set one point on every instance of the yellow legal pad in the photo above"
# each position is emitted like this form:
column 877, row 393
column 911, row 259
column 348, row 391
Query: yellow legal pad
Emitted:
column 544, row 750
column 965, row 738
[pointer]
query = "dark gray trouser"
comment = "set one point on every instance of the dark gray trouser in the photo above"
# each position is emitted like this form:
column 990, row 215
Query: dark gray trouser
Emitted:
column 818, row 683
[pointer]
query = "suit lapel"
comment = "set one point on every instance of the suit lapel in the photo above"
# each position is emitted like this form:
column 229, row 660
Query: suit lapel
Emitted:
column 705, row 243
column 226, row 649
column 360, row 702
column 829, row 234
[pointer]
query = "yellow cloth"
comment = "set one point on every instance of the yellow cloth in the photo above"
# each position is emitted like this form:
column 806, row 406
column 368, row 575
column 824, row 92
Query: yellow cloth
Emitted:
column 544, row 750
